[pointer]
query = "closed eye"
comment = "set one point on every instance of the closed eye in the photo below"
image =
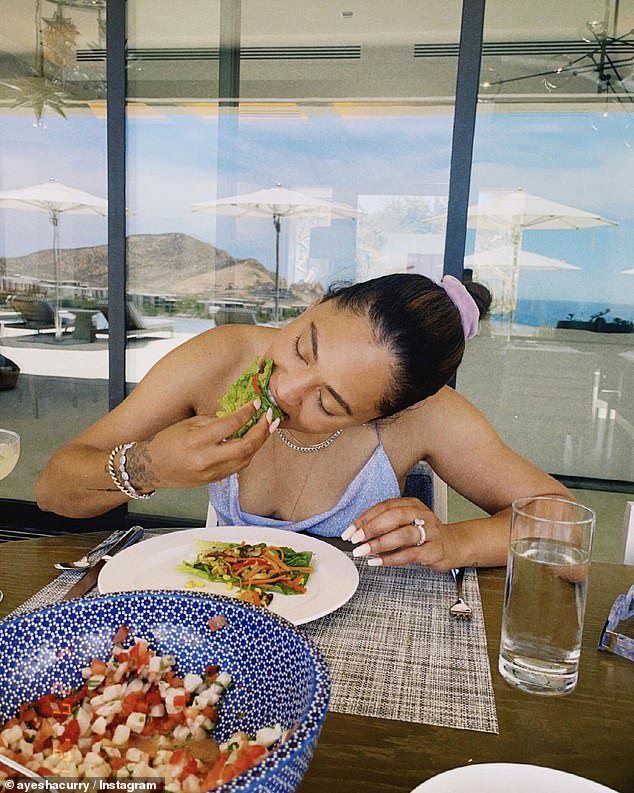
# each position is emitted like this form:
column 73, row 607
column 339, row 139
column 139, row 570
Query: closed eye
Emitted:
column 321, row 405
column 297, row 352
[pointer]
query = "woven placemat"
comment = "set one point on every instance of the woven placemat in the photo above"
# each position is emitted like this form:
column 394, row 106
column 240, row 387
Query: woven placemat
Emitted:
column 393, row 652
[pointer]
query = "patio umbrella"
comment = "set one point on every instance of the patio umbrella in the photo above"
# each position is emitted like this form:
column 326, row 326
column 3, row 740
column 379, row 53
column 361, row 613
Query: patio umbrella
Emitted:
column 276, row 203
column 628, row 272
column 54, row 198
column 517, row 212
column 500, row 262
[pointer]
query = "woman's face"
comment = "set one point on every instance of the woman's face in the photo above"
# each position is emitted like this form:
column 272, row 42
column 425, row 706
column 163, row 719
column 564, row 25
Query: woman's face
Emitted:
column 328, row 371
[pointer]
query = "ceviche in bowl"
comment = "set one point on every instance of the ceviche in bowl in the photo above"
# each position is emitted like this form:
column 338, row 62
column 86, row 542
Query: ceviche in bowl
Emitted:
column 200, row 691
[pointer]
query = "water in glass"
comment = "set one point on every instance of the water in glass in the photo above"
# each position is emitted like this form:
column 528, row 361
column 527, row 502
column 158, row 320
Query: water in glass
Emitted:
column 543, row 618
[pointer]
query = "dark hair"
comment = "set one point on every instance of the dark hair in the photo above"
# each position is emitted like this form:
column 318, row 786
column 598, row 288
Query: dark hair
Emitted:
column 416, row 320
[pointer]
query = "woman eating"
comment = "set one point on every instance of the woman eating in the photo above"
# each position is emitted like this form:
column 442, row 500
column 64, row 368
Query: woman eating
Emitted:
column 361, row 380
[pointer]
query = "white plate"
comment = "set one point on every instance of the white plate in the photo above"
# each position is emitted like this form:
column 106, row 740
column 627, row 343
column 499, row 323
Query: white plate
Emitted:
column 505, row 777
column 151, row 564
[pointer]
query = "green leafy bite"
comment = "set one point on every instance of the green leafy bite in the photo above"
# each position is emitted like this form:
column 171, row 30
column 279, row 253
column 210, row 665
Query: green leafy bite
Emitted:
column 252, row 384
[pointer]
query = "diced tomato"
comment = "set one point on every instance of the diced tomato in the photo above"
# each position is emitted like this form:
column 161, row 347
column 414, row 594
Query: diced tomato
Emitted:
column 140, row 654
column 98, row 667
column 71, row 732
column 191, row 766
column 121, row 635
column 209, row 781
column 180, row 700
column 217, row 622
column 210, row 712
column 44, row 771
column 78, row 696
column 117, row 762
column 254, row 752
column 247, row 758
column 27, row 713
column 167, row 723
column 177, row 756
column 135, row 702
column 153, row 696
column 149, row 727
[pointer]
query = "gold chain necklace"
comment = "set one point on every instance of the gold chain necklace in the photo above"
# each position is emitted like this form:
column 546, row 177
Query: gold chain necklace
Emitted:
column 317, row 447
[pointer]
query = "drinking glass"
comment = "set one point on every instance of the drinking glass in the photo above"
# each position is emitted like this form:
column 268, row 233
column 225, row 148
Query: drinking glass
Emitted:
column 545, row 595
column 9, row 451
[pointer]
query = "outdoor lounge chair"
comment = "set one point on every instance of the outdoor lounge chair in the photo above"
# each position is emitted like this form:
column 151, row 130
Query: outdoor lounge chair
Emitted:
column 138, row 325
column 38, row 314
column 233, row 315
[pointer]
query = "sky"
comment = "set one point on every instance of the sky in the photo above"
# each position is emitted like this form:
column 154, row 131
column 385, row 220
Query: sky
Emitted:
column 583, row 160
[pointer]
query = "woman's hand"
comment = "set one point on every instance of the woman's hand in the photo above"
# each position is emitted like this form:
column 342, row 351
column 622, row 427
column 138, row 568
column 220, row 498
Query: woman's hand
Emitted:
column 195, row 451
column 387, row 535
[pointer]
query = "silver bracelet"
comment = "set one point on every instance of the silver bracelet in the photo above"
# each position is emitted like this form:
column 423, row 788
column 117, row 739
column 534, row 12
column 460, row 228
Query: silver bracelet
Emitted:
column 120, row 476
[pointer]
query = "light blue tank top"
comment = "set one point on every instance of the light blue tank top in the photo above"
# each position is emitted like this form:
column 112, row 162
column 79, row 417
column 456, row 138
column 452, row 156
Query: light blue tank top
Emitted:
column 375, row 482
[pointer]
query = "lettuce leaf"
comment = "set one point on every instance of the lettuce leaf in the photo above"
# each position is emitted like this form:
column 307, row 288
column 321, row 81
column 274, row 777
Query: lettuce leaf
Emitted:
column 244, row 390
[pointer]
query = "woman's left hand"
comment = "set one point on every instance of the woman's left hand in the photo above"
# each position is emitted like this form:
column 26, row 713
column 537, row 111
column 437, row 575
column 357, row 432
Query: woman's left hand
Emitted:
column 402, row 531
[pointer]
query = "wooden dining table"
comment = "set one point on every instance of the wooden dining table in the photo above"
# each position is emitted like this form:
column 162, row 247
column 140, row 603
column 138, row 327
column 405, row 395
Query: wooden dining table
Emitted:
column 588, row 733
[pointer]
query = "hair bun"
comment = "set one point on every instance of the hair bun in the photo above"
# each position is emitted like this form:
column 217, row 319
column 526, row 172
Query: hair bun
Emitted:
column 481, row 296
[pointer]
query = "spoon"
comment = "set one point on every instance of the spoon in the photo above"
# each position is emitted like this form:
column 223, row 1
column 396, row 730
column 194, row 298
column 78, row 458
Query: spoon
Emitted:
column 21, row 769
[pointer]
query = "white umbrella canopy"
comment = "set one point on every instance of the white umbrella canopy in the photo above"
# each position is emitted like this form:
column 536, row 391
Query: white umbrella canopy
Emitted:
column 525, row 211
column 276, row 203
column 500, row 260
column 55, row 198
column 518, row 211
column 628, row 272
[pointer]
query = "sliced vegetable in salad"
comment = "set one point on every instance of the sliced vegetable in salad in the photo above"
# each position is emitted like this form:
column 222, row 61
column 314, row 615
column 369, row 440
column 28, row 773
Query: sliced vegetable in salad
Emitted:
column 252, row 384
column 256, row 570
column 135, row 717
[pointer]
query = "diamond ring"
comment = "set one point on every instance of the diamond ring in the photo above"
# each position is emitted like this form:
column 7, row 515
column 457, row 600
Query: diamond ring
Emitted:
column 422, row 534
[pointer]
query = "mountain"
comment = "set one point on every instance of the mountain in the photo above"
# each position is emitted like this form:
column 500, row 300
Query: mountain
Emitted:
column 175, row 264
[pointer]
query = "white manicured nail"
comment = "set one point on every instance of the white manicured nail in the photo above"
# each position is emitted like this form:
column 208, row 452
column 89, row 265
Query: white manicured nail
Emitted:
column 375, row 561
column 358, row 536
column 257, row 403
column 345, row 535
column 274, row 426
column 361, row 550
column 269, row 415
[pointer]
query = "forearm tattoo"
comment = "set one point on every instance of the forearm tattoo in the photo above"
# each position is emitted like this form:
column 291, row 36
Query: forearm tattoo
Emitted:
column 139, row 467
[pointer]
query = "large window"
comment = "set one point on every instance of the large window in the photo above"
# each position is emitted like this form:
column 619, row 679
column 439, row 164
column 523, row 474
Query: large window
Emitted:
column 53, row 228
column 552, row 230
column 351, row 106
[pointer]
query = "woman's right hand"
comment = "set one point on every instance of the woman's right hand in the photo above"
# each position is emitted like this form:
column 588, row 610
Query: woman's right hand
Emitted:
column 197, row 450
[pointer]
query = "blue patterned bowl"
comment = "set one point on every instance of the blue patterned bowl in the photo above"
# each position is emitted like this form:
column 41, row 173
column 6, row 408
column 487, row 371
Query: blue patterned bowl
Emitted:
column 279, row 676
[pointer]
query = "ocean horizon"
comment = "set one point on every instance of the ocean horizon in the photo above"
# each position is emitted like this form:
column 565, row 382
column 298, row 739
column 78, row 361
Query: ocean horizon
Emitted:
column 547, row 313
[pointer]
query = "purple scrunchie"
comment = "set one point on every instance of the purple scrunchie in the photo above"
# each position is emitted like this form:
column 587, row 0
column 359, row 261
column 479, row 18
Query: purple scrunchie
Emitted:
column 466, row 305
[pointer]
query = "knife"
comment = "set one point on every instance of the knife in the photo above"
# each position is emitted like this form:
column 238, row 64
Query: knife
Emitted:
column 89, row 579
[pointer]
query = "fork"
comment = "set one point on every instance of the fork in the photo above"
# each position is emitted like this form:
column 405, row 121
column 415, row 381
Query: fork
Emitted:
column 91, row 557
column 460, row 610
